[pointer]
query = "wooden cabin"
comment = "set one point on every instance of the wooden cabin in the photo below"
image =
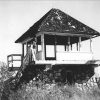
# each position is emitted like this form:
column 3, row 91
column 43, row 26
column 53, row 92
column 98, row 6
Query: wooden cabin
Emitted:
column 57, row 39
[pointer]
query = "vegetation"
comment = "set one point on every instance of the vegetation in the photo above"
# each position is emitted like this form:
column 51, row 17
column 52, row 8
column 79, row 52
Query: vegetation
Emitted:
column 53, row 92
column 41, row 91
column 5, row 75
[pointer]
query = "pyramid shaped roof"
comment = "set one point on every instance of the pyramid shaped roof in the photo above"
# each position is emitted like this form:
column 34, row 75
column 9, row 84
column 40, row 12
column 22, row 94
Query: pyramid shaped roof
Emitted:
column 57, row 21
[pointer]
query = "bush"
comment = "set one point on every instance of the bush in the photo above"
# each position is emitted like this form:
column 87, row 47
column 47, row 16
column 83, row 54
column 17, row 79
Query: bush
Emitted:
column 41, row 91
column 5, row 75
column 53, row 92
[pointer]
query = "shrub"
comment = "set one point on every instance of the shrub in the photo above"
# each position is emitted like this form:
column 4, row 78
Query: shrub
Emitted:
column 4, row 76
column 54, row 92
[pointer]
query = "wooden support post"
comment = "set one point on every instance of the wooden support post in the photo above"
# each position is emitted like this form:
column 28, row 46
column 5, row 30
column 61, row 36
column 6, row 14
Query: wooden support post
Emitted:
column 36, row 44
column 22, row 54
column 68, row 43
column 90, row 44
column 65, row 47
column 22, row 50
column 43, row 46
column 26, row 47
column 55, row 46
column 8, row 61
column 71, row 47
column 12, row 61
column 77, row 46
column 79, row 43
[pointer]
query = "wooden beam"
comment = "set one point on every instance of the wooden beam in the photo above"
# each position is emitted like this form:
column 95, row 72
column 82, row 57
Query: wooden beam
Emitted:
column 26, row 47
column 55, row 46
column 71, row 47
column 77, row 46
column 66, row 34
column 39, row 34
column 12, row 60
column 79, row 43
column 22, row 54
column 8, row 61
column 65, row 47
column 90, row 44
column 68, row 43
column 22, row 50
column 43, row 47
column 27, row 40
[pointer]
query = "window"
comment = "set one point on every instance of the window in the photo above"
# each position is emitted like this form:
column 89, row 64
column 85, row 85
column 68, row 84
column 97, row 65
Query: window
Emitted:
column 50, row 51
column 60, row 48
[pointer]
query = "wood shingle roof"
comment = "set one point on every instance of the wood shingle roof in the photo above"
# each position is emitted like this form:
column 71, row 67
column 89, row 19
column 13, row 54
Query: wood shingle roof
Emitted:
column 57, row 21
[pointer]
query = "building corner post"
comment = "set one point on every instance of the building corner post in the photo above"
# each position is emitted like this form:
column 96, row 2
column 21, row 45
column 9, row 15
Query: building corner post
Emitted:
column 43, row 46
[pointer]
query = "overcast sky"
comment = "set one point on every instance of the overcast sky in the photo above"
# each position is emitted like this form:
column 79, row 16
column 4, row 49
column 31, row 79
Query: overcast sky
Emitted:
column 17, row 16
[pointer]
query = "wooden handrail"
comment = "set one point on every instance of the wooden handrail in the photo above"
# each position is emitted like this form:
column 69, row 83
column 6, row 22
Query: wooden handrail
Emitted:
column 12, row 60
column 14, row 55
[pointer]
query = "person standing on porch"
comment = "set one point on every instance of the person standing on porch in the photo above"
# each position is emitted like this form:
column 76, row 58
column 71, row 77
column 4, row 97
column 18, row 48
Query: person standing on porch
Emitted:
column 33, row 49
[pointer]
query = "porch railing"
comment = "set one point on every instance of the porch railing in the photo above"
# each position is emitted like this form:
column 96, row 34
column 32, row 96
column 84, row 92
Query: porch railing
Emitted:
column 14, row 61
column 74, row 56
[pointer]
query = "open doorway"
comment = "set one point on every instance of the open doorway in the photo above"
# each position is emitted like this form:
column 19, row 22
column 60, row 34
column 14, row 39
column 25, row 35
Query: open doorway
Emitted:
column 69, row 77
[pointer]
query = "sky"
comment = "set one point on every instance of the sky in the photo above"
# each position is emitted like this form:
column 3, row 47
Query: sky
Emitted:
column 17, row 16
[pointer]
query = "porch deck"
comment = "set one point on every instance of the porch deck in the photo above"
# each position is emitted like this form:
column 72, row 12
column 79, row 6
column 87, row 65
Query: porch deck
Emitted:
column 54, row 62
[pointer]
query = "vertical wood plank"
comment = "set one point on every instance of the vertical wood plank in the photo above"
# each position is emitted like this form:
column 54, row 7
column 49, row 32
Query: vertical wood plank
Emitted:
column 26, row 47
column 8, row 61
column 90, row 44
column 22, row 54
column 55, row 46
column 12, row 60
column 79, row 43
column 77, row 46
column 68, row 43
column 43, row 47
column 71, row 47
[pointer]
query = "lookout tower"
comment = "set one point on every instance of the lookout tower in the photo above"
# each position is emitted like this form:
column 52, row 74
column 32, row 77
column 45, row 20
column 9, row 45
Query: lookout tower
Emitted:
column 57, row 39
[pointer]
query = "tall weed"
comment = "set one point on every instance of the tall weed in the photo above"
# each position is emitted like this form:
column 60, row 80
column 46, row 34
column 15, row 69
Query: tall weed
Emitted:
column 55, row 92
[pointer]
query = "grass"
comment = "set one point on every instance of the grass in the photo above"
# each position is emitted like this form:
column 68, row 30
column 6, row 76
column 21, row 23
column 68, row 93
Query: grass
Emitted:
column 54, row 92
column 40, row 91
